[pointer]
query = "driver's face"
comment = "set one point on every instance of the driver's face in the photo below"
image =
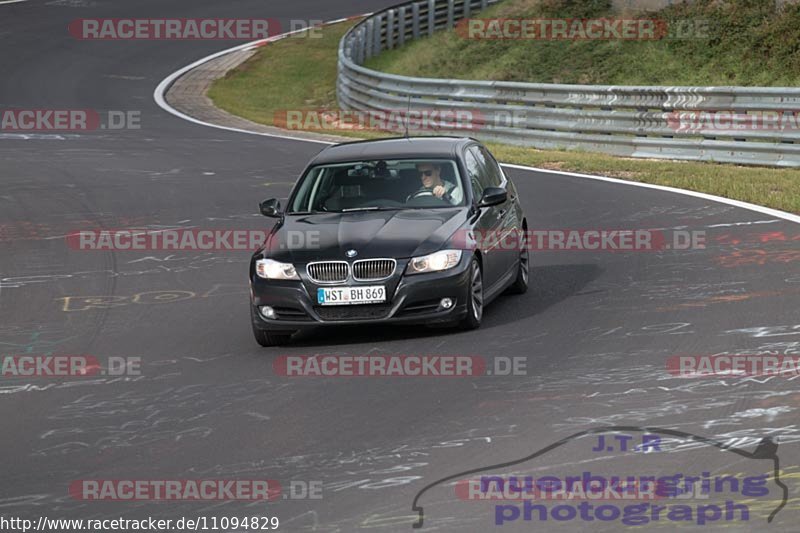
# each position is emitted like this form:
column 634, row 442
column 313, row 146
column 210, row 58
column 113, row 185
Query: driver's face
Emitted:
column 429, row 174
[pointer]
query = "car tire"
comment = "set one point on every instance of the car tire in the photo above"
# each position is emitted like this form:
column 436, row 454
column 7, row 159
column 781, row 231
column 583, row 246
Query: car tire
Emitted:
column 520, row 285
column 474, row 297
column 267, row 339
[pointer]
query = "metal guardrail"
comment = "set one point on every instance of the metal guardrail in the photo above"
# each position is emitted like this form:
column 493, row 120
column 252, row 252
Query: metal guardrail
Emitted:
column 633, row 121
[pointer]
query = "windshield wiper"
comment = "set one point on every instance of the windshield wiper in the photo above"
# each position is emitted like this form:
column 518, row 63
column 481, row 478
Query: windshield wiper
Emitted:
column 371, row 208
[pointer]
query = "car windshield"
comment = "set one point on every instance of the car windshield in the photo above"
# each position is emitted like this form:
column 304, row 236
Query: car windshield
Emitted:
column 379, row 185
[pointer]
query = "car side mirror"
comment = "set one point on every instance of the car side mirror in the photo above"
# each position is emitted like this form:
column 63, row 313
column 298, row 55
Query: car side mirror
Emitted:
column 271, row 208
column 493, row 196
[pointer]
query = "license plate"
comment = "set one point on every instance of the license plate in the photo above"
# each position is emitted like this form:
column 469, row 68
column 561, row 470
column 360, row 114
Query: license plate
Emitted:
column 351, row 295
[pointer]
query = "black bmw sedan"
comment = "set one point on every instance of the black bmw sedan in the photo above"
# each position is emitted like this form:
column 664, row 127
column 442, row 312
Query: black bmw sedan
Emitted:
column 405, row 230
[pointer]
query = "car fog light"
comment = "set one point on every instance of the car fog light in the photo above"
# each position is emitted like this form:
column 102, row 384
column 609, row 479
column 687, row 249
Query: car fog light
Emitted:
column 268, row 312
column 446, row 303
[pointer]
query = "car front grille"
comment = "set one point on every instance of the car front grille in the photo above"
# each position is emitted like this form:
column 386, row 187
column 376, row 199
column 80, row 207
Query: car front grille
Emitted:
column 373, row 269
column 353, row 312
column 328, row 271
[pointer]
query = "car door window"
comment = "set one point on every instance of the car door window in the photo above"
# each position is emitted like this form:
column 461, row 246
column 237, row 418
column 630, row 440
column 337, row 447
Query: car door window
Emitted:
column 490, row 174
column 475, row 173
column 493, row 173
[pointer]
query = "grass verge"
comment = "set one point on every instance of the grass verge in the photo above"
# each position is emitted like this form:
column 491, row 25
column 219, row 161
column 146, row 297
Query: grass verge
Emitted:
column 300, row 73
column 735, row 42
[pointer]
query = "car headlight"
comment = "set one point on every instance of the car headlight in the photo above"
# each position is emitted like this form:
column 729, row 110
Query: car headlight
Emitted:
column 434, row 262
column 271, row 269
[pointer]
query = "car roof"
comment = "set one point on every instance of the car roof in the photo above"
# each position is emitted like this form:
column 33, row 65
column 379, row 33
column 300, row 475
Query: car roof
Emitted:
column 394, row 148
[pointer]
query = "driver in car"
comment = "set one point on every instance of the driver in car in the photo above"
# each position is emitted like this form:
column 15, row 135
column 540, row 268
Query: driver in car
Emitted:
column 430, row 175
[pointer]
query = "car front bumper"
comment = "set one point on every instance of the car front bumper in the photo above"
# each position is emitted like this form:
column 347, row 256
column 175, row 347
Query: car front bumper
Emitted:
column 412, row 299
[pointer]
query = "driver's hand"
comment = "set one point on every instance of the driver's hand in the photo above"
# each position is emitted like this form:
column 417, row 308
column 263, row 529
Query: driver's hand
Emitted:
column 438, row 191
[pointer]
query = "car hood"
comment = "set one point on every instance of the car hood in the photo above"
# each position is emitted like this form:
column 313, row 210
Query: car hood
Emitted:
column 397, row 234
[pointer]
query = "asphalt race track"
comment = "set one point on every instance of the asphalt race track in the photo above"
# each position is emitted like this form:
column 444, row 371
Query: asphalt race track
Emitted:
column 596, row 328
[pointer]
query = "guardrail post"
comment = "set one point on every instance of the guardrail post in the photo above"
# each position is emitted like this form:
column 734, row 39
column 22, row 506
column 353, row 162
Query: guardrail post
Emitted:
column 376, row 34
column 401, row 27
column 350, row 49
column 451, row 8
column 369, row 39
column 431, row 16
column 483, row 4
column 390, row 29
column 467, row 8
column 360, row 39
column 415, row 20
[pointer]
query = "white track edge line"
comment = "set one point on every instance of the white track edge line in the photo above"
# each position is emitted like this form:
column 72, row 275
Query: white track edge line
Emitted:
column 720, row 199
column 166, row 83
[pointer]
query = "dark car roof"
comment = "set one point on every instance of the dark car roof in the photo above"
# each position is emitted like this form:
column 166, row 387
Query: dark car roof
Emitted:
column 395, row 148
